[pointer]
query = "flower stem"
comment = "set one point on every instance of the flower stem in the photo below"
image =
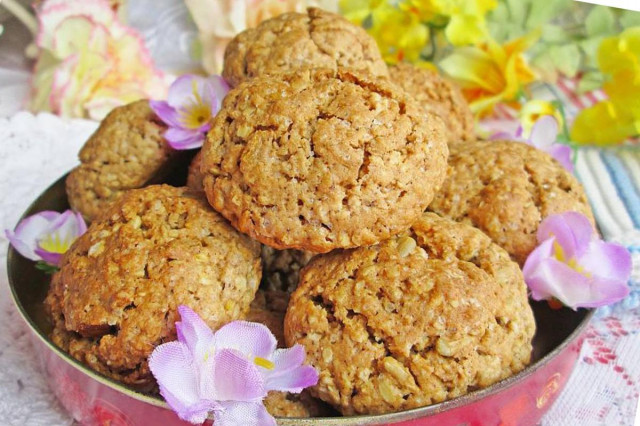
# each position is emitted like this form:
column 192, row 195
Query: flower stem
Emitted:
column 22, row 14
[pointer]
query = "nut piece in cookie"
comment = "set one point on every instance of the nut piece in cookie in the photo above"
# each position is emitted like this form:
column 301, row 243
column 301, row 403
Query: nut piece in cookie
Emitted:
column 281, row 268
column 116, row 295
column 322, row 159
column 438, row 96
column 127, row 151
column 412, row 321
column 288, row 42
column 506, row 189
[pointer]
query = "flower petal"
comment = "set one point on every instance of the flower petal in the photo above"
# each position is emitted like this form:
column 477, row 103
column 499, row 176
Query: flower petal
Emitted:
column 182, row 139
column 544, row 132
column 173, row 367
column 25, row 237
column 289, row 374
column 236, row 378
column 194, row 333
column 562, row 154
column 607, row 260
column 166, row 113
column 183, row 89
column 602, row 292
column 250, row 338
column 234, row 413
column 552, row 278
column 572, row 231
column 215, row 90
column 51, row 258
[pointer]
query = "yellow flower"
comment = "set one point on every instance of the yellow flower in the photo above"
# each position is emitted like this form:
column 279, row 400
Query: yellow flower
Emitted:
column 534, row 109
column 218, row 21
column 357, row 11
column 89, row 62
column 617, row 118
column 400, row 35
column 466, row 23
column 491, row 73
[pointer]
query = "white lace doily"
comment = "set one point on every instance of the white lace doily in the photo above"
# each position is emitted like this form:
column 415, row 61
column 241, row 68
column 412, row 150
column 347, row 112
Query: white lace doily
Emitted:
column 34, row 152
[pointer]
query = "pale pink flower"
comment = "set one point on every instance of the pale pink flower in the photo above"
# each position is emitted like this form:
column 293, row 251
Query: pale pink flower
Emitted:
column 571, row 264
column 47, row 235
column 228, row 372
column 190, row 108
column 89, row 62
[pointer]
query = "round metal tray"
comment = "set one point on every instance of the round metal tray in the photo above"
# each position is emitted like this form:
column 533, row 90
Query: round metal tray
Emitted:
column 95, row 399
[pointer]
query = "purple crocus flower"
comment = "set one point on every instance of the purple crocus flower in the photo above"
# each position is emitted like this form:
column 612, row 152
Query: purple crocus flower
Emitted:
column 191, row 105
column 228, row 372
column 47, row 235
column 543, row 136
column 575, row 267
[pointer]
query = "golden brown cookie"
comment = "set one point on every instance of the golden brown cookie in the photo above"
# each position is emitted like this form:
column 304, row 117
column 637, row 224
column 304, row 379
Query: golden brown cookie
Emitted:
column 506, row 189
column 281, row 268
column 127, row 151
column 438, row 96
column 288, row 42
column 412, row 321
column 195, row 176
column 116, row 295
column 322, row 159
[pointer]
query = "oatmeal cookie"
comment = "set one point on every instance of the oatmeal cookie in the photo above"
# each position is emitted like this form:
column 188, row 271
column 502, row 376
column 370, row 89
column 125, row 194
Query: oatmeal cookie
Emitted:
column 415, row 320
column 281, row 268
column 439, row 96
column 127, row 151
column 288, row 42
column 116, row 295
column 195, row 176
column 506, row 189
column 322, row 159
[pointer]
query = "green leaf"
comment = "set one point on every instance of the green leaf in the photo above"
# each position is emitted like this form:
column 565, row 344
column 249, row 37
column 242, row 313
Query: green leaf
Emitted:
column 629, row 18
column 590, row 81
column 554, row 33
column 600, row 21
column 566, row 59
column 47, row 268
column 590, row 48
column 542, row 12
column 543, row 62
column 518, row 11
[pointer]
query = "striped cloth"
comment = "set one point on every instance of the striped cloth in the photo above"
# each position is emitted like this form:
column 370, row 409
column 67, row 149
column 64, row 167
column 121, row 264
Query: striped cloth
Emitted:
column 605, row 385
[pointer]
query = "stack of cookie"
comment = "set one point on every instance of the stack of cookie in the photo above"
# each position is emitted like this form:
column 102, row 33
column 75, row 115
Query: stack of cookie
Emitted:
column 318, row 169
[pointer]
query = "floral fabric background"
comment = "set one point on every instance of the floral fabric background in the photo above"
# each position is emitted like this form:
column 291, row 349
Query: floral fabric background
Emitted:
column 516, row 60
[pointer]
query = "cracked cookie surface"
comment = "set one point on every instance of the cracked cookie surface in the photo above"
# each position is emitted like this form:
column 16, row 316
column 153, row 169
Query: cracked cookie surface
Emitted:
column 322, row 159
column 288, row 42
column 125, row 152
column 412, row 321
column 506, row 189
column 439, row 96
column 116, row 295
